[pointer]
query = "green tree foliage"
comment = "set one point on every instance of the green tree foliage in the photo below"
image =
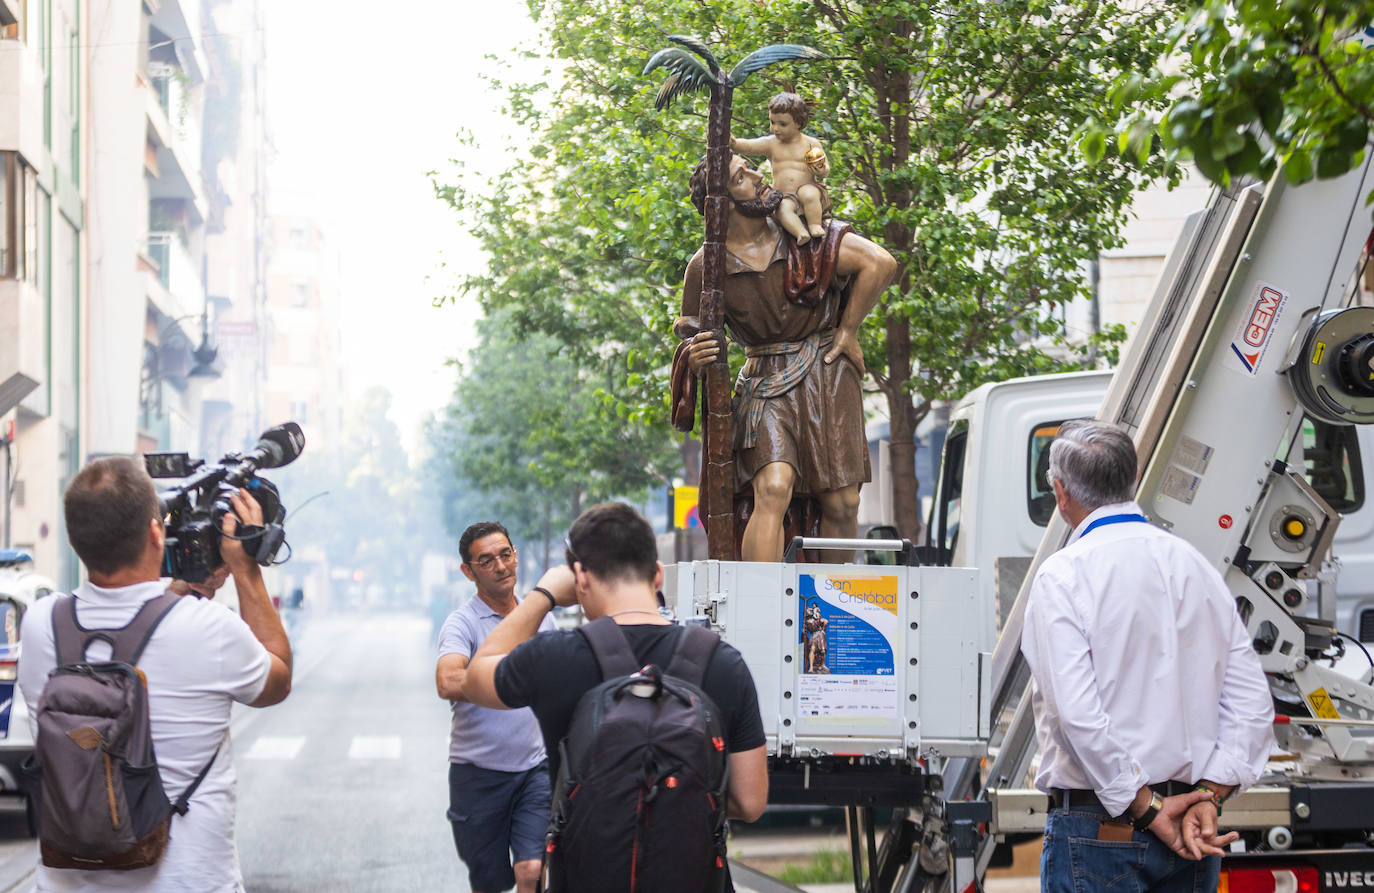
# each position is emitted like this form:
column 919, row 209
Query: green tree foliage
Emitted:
column 952, row 130
column 530, row 437
column 1270, row 85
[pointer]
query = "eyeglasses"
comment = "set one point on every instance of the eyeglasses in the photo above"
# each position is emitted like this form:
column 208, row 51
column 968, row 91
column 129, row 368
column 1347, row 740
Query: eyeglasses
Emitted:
column 569, row 556
column 487, row 562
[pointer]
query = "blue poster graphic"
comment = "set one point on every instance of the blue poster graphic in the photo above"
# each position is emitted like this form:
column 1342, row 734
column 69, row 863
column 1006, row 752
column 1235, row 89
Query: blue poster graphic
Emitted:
column 847, row 630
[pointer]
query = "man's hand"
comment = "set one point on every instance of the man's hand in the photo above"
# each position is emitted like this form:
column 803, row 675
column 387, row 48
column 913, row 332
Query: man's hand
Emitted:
column 205, row 588
column 847, row 344
column 246, row 511
column 705, row 349
column 1199, row 829
column 561, row 584
column 1167, row 824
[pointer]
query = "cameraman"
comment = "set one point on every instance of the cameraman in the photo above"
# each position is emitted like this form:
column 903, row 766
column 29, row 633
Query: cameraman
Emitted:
column 200, row 659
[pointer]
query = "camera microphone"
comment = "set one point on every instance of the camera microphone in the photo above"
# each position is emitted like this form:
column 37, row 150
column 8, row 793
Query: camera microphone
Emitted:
column 278, row 446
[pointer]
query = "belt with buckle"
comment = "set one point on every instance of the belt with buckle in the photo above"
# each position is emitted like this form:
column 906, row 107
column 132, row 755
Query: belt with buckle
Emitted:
column 1073, row 798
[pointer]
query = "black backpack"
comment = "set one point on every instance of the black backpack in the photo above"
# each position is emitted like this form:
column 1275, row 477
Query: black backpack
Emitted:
column 101, row 804
column 639, row 804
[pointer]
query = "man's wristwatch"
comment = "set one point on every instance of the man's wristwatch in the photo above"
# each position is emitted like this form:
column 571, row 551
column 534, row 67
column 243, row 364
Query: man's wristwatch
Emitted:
column 1148, row 816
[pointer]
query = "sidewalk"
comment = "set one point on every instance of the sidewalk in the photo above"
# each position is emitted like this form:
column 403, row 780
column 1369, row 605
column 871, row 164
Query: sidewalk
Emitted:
column 769, row 850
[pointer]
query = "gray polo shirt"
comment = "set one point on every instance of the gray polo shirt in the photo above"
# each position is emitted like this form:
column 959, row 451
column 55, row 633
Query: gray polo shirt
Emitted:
column 504, row 740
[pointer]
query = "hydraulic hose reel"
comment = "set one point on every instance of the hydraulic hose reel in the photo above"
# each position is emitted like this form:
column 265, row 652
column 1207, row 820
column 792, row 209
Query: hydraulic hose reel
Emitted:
column 1333, row 372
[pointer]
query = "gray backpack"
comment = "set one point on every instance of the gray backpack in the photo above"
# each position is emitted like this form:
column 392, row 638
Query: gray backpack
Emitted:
column 101, row 804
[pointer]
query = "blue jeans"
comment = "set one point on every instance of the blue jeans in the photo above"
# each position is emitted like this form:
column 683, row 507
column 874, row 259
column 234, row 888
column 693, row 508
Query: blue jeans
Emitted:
column 1073, row 860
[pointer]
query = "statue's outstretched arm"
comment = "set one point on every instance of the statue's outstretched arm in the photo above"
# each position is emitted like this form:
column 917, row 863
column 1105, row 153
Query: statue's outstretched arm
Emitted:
column 757, row 146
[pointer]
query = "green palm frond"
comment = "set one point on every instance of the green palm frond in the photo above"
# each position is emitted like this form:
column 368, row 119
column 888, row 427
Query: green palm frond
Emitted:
column 679, row 62
column 699, row 47
column 762, row 58
column 675, row 86
column 687, row 75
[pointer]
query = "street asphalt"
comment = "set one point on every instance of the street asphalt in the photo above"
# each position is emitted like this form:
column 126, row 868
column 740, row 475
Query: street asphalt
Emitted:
column 343, row 788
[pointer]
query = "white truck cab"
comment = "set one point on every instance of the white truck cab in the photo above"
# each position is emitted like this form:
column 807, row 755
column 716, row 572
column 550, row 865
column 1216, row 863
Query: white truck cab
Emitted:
column 992, row 501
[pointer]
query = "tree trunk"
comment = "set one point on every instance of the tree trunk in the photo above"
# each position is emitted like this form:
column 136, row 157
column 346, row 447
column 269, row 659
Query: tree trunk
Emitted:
column 546, row 535
column 893, row 92
column 718, row 485
column 902, row 431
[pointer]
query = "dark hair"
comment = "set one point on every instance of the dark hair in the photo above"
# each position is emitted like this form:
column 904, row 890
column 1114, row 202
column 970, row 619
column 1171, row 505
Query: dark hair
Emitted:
column 791, row 104
column 697, row 186
column 475, row 532
column 108, row 506
column 1095, row 461
column 613, row 542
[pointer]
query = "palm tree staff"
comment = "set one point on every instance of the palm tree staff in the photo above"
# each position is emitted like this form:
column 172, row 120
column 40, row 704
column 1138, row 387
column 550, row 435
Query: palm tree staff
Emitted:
column 687, row 74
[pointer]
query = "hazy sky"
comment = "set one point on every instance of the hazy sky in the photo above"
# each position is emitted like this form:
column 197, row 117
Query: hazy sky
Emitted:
column 362, row 103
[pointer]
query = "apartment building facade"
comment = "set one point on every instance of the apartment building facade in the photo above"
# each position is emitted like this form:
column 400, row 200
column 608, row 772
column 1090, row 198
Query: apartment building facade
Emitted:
column 124, row 128
column 44, row 232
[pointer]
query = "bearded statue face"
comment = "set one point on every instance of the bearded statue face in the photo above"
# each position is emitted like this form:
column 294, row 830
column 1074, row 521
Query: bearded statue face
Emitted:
column 762, row 205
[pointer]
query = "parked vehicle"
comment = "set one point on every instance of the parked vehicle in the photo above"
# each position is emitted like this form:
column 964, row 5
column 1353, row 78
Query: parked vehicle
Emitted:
column 20, row 586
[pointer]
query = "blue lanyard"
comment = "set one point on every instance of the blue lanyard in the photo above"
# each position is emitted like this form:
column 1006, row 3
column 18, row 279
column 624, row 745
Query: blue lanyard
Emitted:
column 1113, row 519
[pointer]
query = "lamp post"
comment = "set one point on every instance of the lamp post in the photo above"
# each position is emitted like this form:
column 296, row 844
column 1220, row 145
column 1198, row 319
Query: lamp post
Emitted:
column 203, row 365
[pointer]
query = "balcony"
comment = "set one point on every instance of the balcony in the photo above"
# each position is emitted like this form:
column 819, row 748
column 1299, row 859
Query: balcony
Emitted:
column 175, row 286
column 174, row 139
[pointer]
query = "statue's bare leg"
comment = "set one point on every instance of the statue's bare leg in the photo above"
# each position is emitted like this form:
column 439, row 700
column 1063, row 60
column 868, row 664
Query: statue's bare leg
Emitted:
column 786, row 215
column 840, row 518
column 811, row 205
column 772, row 493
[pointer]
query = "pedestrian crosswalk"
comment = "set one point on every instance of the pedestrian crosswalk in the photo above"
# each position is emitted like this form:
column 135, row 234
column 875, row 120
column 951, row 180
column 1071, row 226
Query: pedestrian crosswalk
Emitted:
column 275, row 748
column 361, row 747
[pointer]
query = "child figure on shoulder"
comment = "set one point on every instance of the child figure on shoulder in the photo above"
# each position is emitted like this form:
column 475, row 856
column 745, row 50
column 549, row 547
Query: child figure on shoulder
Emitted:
column 798, row 162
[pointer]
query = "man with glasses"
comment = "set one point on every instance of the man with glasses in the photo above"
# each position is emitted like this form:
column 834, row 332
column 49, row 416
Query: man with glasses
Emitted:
column 498, row 782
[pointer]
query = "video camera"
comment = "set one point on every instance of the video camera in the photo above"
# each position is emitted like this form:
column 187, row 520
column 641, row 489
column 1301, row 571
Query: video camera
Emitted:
column 195, row 508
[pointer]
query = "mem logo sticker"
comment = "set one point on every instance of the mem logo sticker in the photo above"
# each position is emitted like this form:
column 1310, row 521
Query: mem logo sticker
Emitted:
column 1253, row 337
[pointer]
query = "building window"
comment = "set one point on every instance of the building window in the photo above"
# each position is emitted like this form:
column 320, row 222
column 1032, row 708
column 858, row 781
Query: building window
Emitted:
column 74, row 102
column 18, row 219
column 6, row 227
column 13, row 16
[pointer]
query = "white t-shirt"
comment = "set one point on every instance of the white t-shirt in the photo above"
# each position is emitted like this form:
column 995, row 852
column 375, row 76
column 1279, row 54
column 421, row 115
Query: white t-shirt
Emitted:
column 201, row 659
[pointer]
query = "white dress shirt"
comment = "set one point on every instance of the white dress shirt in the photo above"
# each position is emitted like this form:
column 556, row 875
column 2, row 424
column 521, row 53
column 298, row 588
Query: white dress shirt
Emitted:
column 1142, row 671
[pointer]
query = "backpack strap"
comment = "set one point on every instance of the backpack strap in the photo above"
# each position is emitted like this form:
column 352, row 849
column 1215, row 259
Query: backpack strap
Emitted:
column 614, row 657
column 183, row 802
column 71, row 639
column 693, row 653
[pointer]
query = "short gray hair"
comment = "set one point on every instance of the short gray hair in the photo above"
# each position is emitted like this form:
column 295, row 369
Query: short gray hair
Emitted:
column 1095, row 461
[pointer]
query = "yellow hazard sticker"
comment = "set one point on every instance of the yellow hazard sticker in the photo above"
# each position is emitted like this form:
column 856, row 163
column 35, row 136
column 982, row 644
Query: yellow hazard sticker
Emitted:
column 1322, row 707
column 1318, row 350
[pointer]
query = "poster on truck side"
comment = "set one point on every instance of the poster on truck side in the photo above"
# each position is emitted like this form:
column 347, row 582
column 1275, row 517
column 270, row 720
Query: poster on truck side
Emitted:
column 847, row 644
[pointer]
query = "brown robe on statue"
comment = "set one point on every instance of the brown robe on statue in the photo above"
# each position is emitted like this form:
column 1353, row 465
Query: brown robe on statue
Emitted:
column 790, row 406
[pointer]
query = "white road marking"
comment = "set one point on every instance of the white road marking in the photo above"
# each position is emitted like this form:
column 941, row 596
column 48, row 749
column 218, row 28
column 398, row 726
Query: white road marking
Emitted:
column 375, row 747
column 275, row 748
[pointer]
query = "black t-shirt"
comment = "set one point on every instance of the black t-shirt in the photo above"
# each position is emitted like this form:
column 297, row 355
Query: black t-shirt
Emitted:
column 550, row 672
